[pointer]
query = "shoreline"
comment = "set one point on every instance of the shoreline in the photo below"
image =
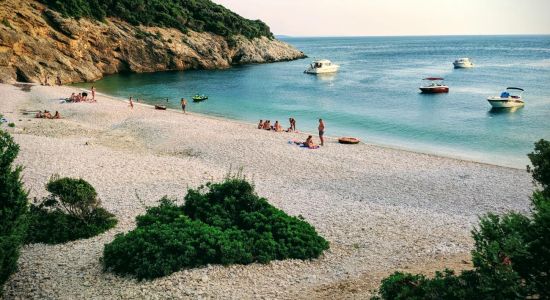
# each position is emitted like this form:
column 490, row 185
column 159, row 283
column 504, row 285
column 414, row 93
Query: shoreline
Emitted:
column 305, row 133
column 381, row 209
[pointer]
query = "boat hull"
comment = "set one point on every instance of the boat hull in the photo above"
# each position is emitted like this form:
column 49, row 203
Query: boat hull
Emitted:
column 434, row 90
column 463, row 65
column 324, row 70
column 505, row 103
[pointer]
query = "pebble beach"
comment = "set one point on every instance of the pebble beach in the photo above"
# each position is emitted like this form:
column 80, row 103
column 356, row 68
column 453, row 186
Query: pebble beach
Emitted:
column 381, row 209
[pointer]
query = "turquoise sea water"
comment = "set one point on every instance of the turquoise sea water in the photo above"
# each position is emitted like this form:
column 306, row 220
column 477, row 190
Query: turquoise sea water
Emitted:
column 375, row 95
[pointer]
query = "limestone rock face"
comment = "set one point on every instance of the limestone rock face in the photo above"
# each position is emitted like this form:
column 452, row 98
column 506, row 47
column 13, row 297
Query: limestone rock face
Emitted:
column 37, row 43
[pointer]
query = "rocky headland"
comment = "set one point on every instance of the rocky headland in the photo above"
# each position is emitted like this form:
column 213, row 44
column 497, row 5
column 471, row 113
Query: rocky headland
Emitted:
column 37, row 42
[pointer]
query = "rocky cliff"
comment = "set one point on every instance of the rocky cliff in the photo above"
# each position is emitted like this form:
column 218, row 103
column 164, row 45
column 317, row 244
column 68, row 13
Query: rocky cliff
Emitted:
column 36, row 42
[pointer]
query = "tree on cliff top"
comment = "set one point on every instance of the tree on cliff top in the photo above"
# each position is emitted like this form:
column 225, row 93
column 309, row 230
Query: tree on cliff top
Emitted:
column 197, row 15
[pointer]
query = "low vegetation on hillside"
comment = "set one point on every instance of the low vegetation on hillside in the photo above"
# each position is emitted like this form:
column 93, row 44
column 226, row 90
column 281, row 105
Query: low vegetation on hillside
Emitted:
column 197, row 15
column 511, row 256
column 223, row 223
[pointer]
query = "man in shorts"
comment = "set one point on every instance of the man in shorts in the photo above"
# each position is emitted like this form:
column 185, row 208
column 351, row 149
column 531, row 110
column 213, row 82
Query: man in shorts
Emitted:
column 321, row 131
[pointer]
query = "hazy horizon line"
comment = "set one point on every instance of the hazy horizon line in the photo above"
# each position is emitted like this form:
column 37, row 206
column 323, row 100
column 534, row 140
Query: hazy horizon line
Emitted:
column 411, row 35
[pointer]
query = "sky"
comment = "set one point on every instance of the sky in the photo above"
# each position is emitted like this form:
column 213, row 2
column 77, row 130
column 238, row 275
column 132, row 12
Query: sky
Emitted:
column 397, row 17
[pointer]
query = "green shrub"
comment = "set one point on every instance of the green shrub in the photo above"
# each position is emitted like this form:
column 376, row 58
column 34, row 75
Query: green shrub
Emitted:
column 6, row 23
column 13, row 207
column 198, row 15
column 540, row 159
column 511, row 256
column 71, row 212
column 11, row 124
column 225, row 223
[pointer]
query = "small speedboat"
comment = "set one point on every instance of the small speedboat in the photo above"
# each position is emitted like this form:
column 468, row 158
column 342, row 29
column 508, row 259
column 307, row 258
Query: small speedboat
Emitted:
column 508, row 99
column 199, row 98
column 434, row 85
column 322, row 66
column 463, row 63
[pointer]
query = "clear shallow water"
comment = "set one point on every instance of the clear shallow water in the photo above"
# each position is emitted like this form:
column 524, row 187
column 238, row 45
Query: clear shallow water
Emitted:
column 375, row 95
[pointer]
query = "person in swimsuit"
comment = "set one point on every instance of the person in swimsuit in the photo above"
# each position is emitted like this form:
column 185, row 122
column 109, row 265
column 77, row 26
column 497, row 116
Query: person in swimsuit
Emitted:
column 131, row 103
column 261, row 124
column 93, row 94
column 309, row 143
column 321, row 131
column 183, row 105
column 292, row 127
column 278, row 127
column 267, row 125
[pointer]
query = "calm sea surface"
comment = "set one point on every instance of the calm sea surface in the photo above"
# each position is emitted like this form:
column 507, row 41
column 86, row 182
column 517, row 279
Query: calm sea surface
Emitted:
column 375, row 95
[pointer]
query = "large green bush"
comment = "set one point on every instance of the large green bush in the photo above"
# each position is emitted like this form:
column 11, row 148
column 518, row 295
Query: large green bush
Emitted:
column 71, row 212
column 13, row 207
column 540, row 159
column 198, row 15
column 225, row 223
column 511, row 257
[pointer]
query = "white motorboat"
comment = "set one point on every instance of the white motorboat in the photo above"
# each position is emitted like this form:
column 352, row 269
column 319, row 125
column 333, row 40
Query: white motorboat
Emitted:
column 322, row 66
column 507, row 99
column 463, row 63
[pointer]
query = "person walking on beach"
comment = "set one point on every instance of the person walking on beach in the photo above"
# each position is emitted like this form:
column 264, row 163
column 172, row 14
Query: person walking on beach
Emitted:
column 183, row 105
column 93, row 94
column 321, row 131
column 58, row 80
column 131, row 103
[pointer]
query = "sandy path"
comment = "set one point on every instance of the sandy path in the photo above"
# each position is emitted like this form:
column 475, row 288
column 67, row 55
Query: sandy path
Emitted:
column 381, row 209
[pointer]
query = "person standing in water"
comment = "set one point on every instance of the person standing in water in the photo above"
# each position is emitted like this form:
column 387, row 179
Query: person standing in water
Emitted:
column 321, row 131
column 183, row 105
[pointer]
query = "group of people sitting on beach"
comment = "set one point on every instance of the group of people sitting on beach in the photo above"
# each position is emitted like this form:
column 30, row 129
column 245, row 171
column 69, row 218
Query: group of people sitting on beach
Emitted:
column 47, row 115
column 82, row 97
column 266, row 125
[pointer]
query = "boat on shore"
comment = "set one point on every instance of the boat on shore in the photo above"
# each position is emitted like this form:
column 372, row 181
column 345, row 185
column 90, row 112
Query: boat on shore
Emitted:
column 463, row 63
column 348, row 140
column 434, row 85
column 199, row 98
column 512, row 97
column 323, row 66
